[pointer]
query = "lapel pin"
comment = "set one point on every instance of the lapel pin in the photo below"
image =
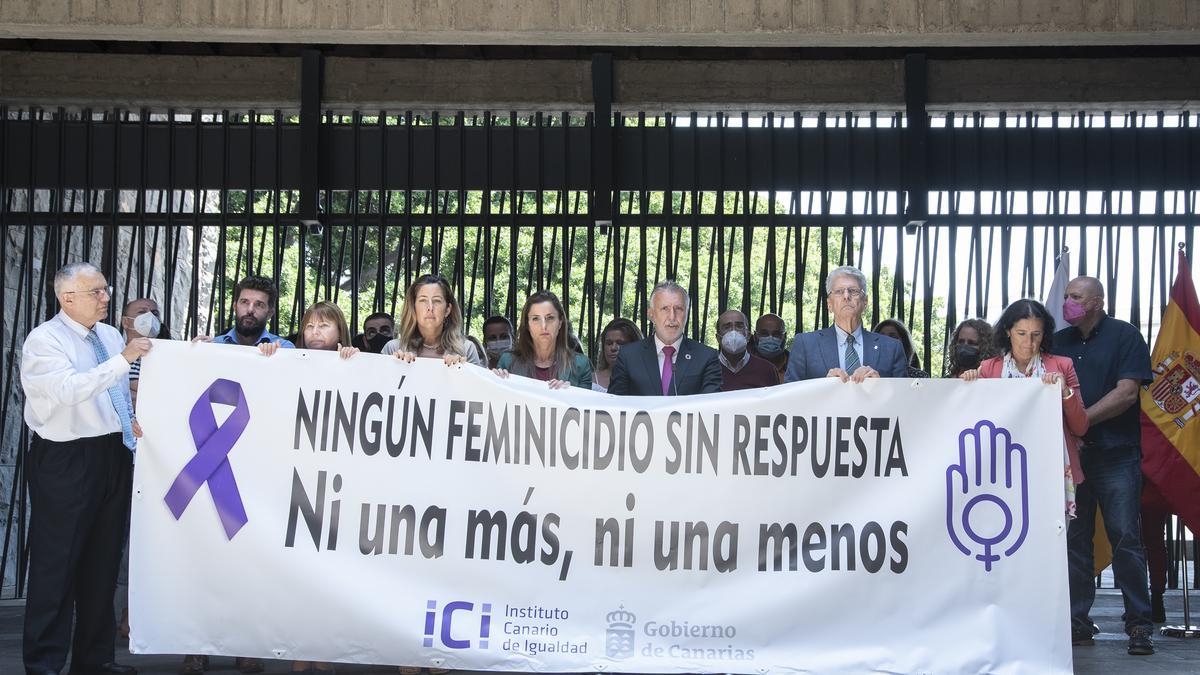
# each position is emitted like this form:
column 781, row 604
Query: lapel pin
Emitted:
column 687, row 357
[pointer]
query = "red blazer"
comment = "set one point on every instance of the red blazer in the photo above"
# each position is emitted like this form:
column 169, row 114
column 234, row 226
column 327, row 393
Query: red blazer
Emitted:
column 1075, row 421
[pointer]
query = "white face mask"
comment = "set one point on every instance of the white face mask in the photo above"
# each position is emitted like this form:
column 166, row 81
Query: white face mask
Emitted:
column 733, row 342
column 147, row 325
column 499, row 346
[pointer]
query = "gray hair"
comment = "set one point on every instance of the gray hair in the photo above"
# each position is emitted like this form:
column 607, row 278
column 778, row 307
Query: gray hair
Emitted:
column 674, row 288
column 67, row 274
column 846, row 271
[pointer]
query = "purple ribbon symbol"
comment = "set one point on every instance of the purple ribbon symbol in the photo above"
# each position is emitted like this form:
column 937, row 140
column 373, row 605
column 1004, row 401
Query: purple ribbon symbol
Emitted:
column 211, row 462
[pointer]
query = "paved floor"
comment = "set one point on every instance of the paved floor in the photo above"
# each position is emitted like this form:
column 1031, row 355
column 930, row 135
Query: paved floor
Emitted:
column 1107, row 657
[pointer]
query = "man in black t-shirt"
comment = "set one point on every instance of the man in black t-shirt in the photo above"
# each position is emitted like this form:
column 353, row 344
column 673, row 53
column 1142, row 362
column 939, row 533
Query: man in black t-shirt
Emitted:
column 1113, row 362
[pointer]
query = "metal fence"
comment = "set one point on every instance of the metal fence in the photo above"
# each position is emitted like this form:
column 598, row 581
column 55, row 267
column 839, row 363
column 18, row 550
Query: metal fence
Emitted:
column 747, row 210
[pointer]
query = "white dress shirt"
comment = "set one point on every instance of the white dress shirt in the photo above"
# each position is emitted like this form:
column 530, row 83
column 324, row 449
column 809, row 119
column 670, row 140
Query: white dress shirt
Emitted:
column 659, row 344
column 66, row 391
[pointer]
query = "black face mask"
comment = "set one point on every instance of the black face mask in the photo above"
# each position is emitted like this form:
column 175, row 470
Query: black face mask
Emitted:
column 966, row 356
column 376, row 343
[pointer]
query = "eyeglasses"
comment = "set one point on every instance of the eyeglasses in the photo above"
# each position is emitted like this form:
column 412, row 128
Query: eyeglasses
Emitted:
column 95, row 292
column 850, row 293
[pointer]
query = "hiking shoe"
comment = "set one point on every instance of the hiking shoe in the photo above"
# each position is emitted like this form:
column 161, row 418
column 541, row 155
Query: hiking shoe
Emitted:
column 1139, row 641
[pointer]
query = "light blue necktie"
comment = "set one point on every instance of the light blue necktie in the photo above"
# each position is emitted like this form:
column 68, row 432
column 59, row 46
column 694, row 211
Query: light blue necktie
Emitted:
column 116, row 394
column 852, row 362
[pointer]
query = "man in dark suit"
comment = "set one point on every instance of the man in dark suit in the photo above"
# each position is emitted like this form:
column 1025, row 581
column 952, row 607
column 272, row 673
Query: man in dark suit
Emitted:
column 845, row 350
column 666, row 363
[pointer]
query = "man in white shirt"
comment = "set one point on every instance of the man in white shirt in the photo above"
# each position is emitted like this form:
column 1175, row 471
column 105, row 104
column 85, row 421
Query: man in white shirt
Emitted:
column 74, row 371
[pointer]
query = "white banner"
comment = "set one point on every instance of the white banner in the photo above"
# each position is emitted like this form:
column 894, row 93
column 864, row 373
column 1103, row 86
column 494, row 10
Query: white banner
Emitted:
column 371, row 511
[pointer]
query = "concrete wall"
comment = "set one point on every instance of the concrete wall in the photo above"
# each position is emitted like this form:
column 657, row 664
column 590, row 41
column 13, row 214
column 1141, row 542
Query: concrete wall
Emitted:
column 129, row 80
column 614, row 22
column 12, row 424
column 216, row 82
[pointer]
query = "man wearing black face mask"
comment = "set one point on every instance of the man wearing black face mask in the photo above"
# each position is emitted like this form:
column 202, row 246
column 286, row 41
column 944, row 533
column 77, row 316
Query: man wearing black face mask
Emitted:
column 377, row 332
column 770, row 342
column 497, row 338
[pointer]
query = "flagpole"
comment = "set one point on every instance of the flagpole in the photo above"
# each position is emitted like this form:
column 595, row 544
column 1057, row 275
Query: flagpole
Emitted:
column 1187, row 630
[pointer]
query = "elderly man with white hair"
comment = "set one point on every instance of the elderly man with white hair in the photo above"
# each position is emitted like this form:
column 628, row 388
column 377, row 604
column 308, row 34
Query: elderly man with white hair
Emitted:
column 75, row 373
column 845, row 350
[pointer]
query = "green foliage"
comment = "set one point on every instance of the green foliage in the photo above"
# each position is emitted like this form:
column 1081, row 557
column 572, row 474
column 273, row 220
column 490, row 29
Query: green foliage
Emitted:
column 327, row 268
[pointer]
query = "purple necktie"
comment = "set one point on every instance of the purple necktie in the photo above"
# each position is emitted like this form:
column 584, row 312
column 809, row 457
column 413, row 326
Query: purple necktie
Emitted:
column 668, row 368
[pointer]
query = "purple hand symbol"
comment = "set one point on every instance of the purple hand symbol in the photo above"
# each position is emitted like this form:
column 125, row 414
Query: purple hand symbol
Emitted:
column 987, row 493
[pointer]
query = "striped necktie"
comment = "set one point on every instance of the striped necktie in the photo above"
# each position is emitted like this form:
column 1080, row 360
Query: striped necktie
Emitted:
column 852, row 362
column 116, row 394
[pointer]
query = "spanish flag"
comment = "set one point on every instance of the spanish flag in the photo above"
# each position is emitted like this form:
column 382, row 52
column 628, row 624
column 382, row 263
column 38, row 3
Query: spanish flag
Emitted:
column 1170, row 423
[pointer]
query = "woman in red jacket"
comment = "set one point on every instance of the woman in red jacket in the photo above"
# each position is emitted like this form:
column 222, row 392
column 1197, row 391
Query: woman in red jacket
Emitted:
column 1023, row 336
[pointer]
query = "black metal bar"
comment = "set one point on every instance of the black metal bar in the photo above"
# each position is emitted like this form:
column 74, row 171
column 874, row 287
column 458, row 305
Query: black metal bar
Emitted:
column 311, row 75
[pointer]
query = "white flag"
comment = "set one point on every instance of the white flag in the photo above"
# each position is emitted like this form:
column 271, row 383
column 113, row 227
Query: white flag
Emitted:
column 1058, row 288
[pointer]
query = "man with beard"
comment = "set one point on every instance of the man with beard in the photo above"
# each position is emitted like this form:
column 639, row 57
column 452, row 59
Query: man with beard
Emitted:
column 739, row 368
column 770, row 342
column 845, row 350
column 253, row 306
column 254, row 300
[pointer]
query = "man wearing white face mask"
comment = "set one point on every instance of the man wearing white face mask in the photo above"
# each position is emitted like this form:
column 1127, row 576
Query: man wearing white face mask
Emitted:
column 739, row 368
column 140, row 318
column 497, row 338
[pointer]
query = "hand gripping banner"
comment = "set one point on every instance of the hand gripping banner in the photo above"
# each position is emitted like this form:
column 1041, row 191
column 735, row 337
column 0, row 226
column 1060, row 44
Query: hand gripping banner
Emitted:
column 211, row 462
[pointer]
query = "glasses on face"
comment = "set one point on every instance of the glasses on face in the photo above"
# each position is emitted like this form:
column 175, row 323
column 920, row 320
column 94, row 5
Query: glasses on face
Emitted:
column 106, row 291
column 849, row 293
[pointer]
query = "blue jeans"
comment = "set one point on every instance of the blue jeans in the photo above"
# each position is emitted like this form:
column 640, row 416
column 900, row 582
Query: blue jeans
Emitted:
column 1112, row 479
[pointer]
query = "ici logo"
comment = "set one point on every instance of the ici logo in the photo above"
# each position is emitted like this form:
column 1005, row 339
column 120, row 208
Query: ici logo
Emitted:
column 458, row 625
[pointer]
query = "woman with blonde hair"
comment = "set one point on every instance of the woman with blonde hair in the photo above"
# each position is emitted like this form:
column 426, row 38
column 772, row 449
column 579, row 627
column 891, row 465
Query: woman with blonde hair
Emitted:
column 431, row 325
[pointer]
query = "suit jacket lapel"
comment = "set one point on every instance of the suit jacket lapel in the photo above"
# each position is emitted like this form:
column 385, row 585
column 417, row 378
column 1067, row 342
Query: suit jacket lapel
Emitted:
column 683, row 360
column 829, row 352
column 871, row 349
column 650, row 355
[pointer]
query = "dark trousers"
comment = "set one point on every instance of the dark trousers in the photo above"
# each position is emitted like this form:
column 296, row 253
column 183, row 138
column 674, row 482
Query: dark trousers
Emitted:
column 1155, row 512
column 79, row 493
column 1114, row 482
